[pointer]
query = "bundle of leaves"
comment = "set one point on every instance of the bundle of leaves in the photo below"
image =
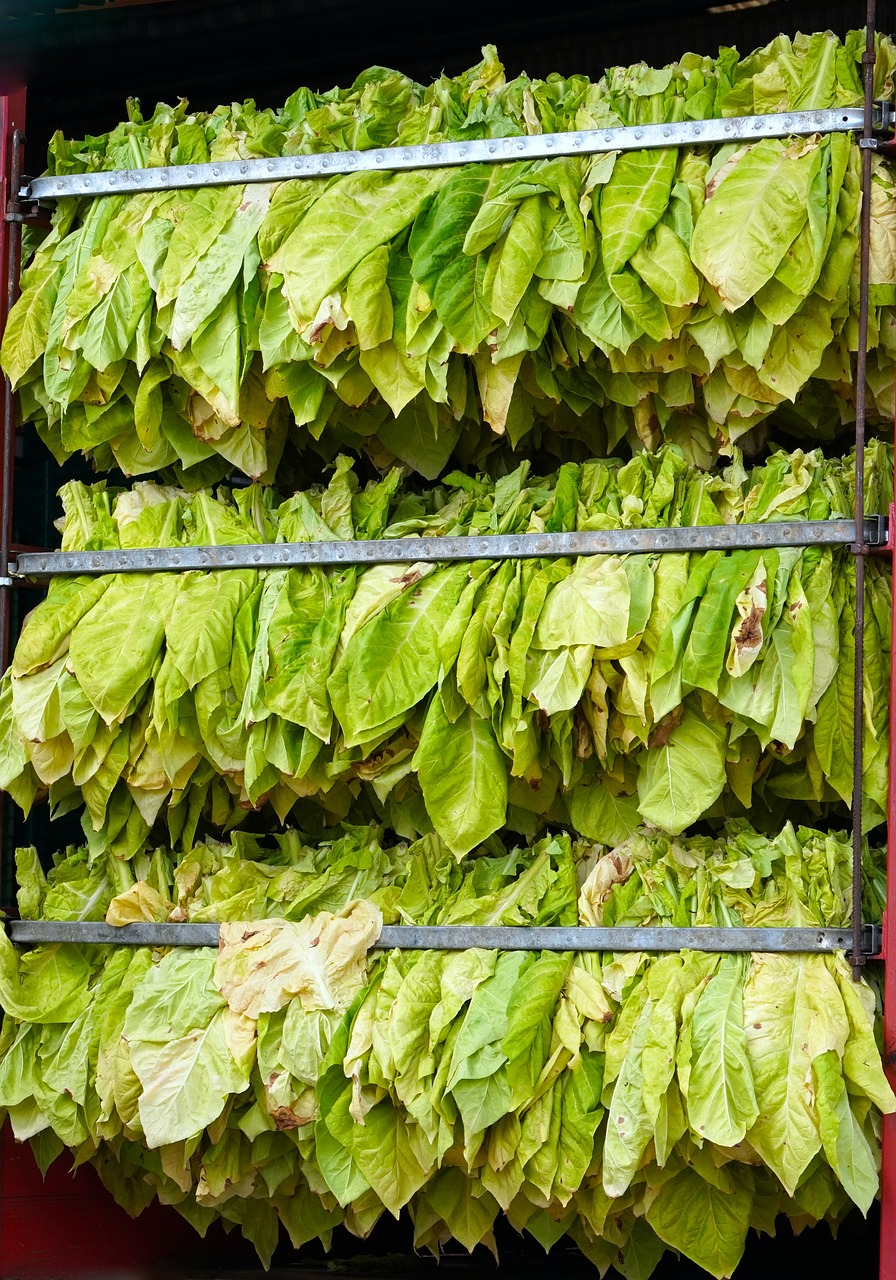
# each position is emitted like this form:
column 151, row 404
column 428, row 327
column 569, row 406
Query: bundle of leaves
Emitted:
column 681, row 295
column 635, row 1101
column 597, row 691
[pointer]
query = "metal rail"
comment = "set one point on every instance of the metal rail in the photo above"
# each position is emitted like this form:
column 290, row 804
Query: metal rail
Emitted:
column 12, row 118
column 521, row 546
column 441, row 155
column 869, row 57
column 12, row 122
column 461, row 937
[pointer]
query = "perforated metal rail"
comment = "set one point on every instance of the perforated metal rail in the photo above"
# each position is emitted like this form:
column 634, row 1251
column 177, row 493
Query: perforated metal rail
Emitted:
column 440, row 155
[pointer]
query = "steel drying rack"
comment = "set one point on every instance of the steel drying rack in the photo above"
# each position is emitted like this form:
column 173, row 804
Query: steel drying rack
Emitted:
column 861, row 534
column 874, row 121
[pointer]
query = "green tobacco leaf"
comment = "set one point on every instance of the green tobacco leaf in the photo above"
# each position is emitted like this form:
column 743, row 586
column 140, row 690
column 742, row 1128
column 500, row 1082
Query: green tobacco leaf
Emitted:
column 199, row 630
column 392, row 662
column 629, row 1127
column 793, row 1013
column 590, row 607
column 468, row 1217
column 721, row 1100
column 455, row 280
column 24, row 337
column 706, row 1224
column 186, row 1083
column 463, row 776
column 384, row 1153
column 418, row 436
column 663, row 264
column 600, row 815
column 752, row 218
column 845, row 1145
column 632, row 203
column 682, row 778
column 49, row 984
column 356, row 215
column 520, row 253
column 113, row 647
column 210, row 280
column 45, row 635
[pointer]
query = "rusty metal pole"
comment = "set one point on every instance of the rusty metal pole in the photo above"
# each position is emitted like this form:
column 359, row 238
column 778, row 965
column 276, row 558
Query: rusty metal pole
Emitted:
column 861, row 548
column 887, row 1265
column 12, row 124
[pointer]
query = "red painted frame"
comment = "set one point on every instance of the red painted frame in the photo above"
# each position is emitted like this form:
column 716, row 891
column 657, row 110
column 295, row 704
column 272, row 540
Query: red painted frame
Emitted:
column 67, row 1224
column 12, row 116
column 888, row 1156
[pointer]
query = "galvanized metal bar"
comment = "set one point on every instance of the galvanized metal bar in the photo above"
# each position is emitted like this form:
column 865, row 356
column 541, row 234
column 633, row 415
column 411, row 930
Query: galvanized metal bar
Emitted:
column 35, row 932
column 464, row 937
column 522, row 546
column 545, row 146
column 612, row 938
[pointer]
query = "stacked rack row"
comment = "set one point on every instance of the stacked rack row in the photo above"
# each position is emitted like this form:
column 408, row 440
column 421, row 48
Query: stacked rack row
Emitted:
column 555, row 660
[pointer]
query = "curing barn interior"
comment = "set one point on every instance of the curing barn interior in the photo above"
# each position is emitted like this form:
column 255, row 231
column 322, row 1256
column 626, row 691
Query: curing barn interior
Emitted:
column 511, row 899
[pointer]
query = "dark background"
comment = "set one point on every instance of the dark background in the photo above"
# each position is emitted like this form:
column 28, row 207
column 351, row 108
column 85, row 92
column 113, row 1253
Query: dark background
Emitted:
column 81, row 63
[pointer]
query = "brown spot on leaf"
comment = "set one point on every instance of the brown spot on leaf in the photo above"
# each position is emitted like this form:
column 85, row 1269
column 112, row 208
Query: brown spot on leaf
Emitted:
column 318, row 329
column 408, row 578
column 284, row 1118
column 750, row 630
column 662, row 732
column 584, row 741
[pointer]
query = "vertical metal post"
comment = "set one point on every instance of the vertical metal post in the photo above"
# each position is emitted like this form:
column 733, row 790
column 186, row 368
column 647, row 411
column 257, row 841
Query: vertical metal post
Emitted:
column 861, row 550
column 12, row 124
